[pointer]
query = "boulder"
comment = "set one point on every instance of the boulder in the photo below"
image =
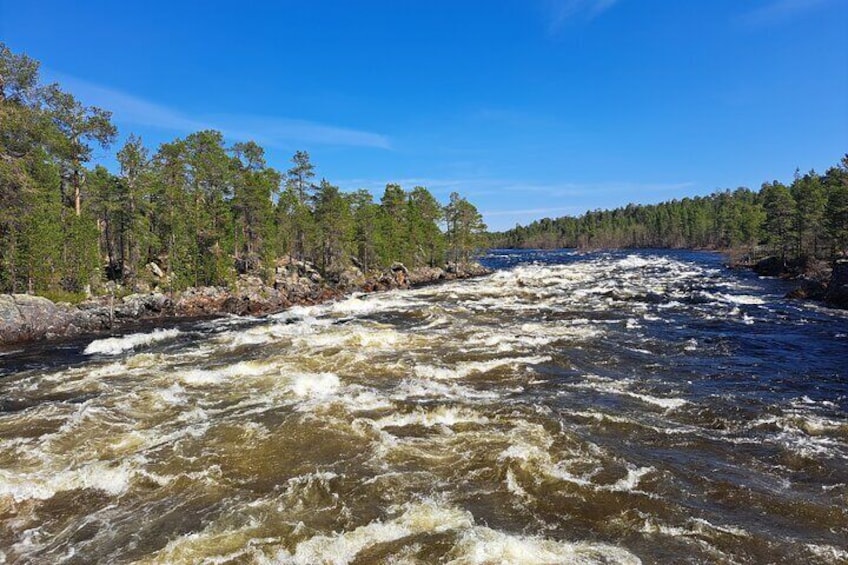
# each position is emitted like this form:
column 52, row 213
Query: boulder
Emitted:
column 426, row 275
column 809, row 289
column 253, row 296
column 837, row 288
column 770, row 267
column 203, row 300
column 155, row 270
column 465, row 270
column 349, row 279
column 142, row 304
column 24, row 317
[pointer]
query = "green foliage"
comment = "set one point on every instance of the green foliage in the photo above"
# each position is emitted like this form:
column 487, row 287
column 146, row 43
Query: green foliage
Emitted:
column 810, row 200
column 808, row 218
column 425, row 240
column 779, row 207
column 836, row 210
column 58, row 295
column 198, row 209
column 465, row 229
column 391, row 223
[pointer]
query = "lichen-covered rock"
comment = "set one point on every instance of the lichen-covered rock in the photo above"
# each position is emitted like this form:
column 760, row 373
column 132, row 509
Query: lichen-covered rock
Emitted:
column 143, row 304
column 25, row 317
column 202, row 300
column 253, row 296
column 350, row 278
column 465, row 270
column 155, row 270
column 426, row 275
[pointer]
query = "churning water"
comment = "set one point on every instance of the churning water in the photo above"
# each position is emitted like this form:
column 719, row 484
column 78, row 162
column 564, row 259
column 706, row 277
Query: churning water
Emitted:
column 571, row 408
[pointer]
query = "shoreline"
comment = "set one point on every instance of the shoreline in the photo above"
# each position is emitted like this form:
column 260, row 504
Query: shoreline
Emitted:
column 26, row 319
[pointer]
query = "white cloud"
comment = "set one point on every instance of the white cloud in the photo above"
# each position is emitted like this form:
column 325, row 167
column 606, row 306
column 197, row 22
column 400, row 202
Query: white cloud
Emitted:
column 482, row 186
column 540, row 212
column 268, row 130
column 560, row 11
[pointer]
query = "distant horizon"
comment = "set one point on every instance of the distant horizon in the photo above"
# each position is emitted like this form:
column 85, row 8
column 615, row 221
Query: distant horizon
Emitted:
column 537, row 109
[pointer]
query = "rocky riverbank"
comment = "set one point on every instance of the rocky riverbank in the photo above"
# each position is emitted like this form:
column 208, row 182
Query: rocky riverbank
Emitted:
column 24, row 317
column 817, row 280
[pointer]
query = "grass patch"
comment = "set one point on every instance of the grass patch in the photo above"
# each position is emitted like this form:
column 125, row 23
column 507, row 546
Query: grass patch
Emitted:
column 63, row 296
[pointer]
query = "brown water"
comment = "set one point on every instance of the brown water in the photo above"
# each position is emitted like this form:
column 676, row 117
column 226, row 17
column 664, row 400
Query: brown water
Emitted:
column 605, row 408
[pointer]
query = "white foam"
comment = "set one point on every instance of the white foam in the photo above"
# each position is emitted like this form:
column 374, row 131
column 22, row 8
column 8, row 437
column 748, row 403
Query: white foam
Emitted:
column 342, row 548
column 476, row 545
column 828, row 552
column 465, row 369
column 426, row 388
column 44, row 484
column 441, row 416
column 116, row 345
column 315, row 384
column 695, row 527
column 175, row 394
column 485, row 546
column 667, row 403
column 357, row 337
column 602, row 384
column 205, row 377
column 631, row 481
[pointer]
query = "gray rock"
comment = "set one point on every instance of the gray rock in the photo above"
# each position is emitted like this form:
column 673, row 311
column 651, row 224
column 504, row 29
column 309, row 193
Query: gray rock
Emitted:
column 155, row 270
column 25, row 317
column 426, row 275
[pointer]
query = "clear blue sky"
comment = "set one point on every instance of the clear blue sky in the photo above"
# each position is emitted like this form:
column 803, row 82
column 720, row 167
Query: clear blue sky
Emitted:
column 530, row 108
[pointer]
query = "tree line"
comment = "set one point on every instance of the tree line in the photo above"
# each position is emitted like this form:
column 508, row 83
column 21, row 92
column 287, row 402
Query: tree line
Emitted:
column 807, row 218
column 197, row 208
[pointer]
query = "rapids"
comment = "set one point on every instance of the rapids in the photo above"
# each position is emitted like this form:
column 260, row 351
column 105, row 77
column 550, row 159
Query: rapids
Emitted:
column 570, row 408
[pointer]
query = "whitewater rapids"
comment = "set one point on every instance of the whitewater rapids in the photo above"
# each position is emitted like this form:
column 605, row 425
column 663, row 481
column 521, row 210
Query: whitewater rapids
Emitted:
column 570, row 408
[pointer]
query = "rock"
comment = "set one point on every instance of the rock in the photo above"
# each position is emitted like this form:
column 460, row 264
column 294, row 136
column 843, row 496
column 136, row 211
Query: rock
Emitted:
column 770, row 267
column 349, row 279
column 809, row 289
column 837, row 288
column 253, row 296
column 25, row 317
column 141, row 287
column 143, row 304
column 155, row 270
column 426, row 275
column 203, row 300
column 465, row 270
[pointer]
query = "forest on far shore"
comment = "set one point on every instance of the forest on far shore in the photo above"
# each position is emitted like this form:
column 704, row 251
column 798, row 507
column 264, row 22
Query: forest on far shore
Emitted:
column 806, row 219
column 198, row 209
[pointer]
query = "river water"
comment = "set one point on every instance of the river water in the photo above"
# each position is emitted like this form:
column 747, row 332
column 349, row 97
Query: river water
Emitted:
column 617, row 407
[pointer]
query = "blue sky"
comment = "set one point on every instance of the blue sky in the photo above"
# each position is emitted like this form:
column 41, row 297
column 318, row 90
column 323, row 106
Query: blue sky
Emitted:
column 530, row 108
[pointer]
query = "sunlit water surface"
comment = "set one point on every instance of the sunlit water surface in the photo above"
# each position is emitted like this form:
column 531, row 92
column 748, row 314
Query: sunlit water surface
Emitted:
column 571, row 408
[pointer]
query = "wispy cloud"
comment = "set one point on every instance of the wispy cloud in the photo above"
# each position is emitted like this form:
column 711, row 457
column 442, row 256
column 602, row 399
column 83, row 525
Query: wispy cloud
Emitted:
column 779, row 11
column 560, row 11
column 493, row 186
column 267, row 130
column 536, row 212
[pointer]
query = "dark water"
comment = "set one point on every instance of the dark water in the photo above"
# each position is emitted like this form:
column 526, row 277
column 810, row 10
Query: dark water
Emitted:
column 571, row 408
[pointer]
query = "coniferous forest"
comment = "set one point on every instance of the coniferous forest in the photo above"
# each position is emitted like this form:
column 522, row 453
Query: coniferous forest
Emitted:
column 806, row 219
column 198, row 208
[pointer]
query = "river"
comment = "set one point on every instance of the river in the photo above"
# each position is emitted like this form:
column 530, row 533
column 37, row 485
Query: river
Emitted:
column 617, row 407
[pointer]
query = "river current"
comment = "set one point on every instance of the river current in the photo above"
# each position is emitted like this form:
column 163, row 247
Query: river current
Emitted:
column 619, row 407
